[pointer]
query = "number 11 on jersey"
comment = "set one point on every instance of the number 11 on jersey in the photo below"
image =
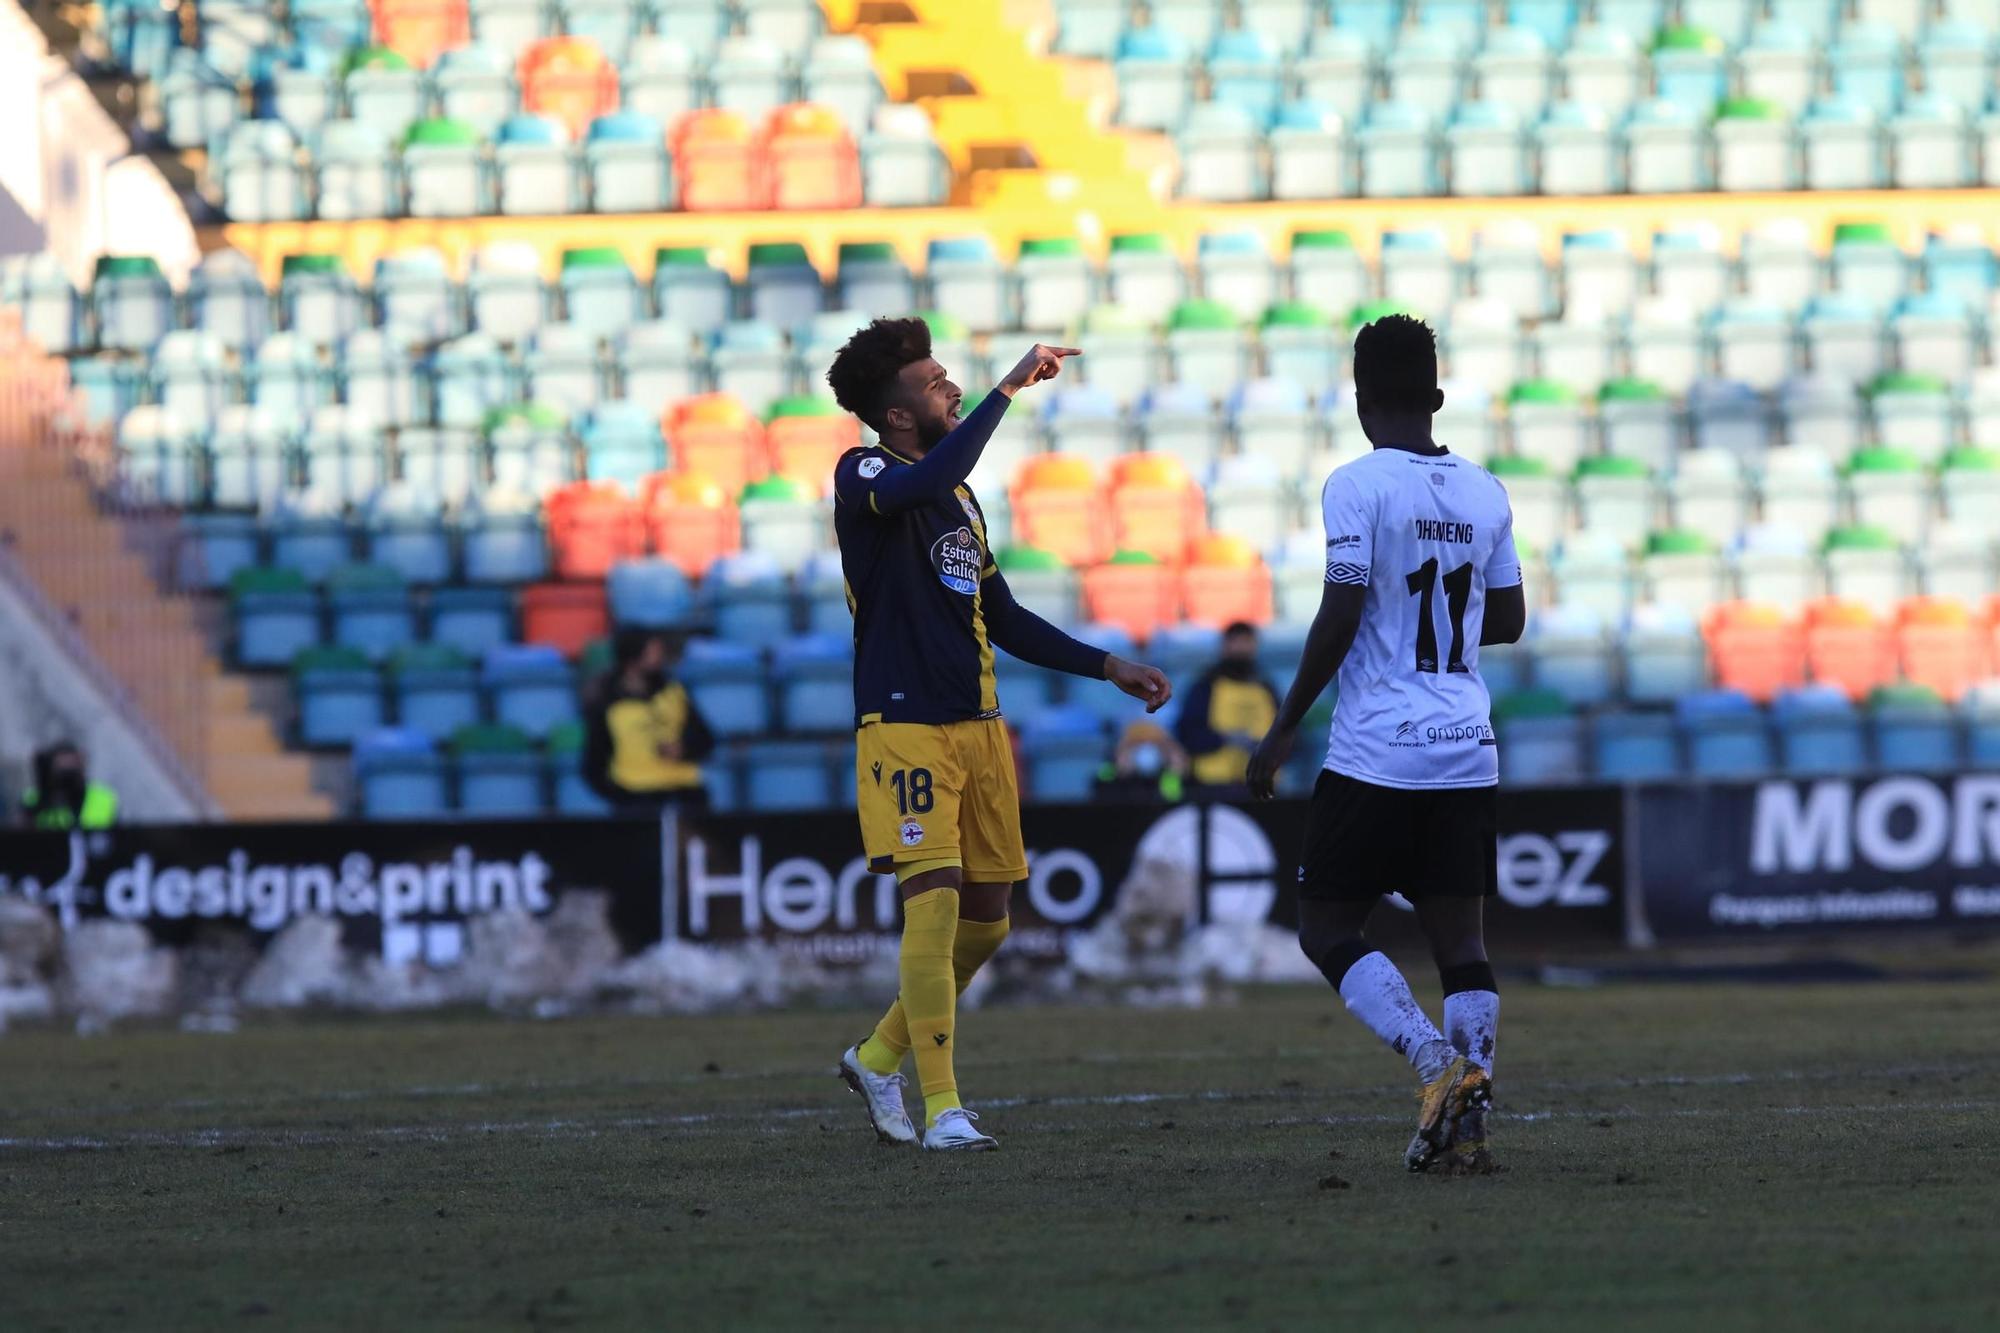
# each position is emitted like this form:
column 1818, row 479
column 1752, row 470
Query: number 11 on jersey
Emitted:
column 1421, row 582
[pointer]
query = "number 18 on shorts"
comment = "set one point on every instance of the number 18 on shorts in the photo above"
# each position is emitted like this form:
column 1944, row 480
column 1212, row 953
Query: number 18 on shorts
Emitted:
column 938, row 796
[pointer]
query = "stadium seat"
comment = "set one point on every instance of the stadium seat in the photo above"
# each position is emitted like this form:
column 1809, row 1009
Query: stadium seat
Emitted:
column 1848, row 647
column 564, row 616
column 727, row 683
column 814, row 677
column 1913, row 730
column 811, row 159
column 371, row 610
column 530, row 685
column 436, row 689
column 399, row 776
column 1635, row 747
column 1725, row 734
column 1819, row 732
column 715, row 436
column 499, row 774
column 339, row 696
column 690, row 521
column 621, row 443
column 1133, row 591
column 1062, row 748
column 1224, row 582
column 1041, row 582
column 1755, row 649
column 1541, row 742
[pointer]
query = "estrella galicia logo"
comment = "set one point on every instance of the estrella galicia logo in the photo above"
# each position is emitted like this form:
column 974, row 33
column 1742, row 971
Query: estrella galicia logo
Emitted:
column 956, row 557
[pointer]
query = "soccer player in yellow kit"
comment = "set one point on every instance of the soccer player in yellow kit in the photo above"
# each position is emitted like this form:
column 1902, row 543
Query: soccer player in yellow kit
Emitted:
column 939, row 804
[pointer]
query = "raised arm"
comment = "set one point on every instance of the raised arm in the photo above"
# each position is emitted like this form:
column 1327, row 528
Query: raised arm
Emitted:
column 871, row 485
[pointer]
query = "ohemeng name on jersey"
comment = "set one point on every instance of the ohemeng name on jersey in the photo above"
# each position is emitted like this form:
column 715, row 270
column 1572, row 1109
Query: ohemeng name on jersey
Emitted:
column 1443, row 530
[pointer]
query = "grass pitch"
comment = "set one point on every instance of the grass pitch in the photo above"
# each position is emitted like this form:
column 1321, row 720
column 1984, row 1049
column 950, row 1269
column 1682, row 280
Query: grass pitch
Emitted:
column 1719, row 1157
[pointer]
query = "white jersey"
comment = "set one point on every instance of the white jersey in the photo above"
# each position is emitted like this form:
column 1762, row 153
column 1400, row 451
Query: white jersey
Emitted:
column 1427, row 535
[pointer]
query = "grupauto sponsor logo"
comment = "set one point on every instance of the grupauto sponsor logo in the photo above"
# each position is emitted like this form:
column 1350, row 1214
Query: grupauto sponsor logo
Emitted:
column 1898, row 824
column 267, row 895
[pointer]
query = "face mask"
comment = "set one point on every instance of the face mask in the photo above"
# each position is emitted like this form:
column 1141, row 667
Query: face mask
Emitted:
column 1148, row 759
column 1238, row 668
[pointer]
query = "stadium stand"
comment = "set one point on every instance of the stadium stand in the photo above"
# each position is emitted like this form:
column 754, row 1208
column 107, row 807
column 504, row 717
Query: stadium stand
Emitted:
column 1751, row 469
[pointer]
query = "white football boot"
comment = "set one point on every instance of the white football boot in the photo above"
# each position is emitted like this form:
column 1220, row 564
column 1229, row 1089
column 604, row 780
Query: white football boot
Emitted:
column 883, row 1095
column 954, row 1132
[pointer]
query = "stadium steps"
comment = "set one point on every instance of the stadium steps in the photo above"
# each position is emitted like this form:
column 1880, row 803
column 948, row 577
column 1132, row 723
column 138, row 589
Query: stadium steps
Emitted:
column 997, row 103
column 83, row 560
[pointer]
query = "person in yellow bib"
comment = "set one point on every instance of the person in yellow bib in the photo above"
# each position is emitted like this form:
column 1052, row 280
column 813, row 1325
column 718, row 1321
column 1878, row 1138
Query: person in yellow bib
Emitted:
column 63, row 796
column 939, row 804
column 1226, row 712
column 644, row 740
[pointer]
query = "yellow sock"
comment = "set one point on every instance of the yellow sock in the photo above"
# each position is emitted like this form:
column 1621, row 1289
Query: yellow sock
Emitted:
column 929, row 995
column 977, row 941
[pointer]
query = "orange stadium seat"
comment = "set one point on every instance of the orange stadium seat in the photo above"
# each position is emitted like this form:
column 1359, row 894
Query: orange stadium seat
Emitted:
column 719, row 162
column 1057, row 507
column 568, row 78
column 592, row 526
column 716, row 436
column 1134, row 592
column 1754, row 648
column 1848, row 646
column 806, row 448
column 1225, row 580
column 811, row 159
column 420, row 30
column 570, row 616
column 690, row 521
column 1940, row 643
column 1155, row 506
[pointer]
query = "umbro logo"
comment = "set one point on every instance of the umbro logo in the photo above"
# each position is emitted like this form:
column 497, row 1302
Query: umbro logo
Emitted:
column 940, row 1038
column 877, row 768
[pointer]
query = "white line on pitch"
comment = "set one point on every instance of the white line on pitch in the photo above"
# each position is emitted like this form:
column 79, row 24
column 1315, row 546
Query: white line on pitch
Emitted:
column 220, row 1137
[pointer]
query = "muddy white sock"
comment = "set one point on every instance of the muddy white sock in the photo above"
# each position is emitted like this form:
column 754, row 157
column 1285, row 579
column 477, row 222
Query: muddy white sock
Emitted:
column 1472, row 1010
column 1375, row 993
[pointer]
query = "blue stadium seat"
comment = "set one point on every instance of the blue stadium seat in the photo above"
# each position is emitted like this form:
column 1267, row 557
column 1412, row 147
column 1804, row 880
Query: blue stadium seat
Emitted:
column 750, row 600
column 814, row 675
column 472, row 620
column 436, row 689
column 399, row 776
column 650, row 594
column 339, row 696
column 1819, row 732
column 371, row 610
column 727, row 682
column 212, row 547
column 1635, row 747
column 531, row 687
column 1726, row 735
column 276, row 617
column 1914, row 732
column 788, row 775
column 1062, row 748
column 504, row 545
column 1541, row 751
column 498, row 783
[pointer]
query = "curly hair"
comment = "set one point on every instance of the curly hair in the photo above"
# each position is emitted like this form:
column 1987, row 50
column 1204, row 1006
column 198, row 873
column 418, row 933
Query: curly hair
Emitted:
column 1396, row 363
column 864, row 371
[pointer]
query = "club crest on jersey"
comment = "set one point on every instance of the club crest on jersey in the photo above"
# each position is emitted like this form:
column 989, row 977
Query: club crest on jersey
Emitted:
column 871, row 467
column 956, row 557
column 1437, row 478
column 912, row 833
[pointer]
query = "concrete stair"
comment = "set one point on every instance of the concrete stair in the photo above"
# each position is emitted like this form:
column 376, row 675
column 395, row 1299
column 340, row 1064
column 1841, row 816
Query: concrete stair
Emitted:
column 83, row 560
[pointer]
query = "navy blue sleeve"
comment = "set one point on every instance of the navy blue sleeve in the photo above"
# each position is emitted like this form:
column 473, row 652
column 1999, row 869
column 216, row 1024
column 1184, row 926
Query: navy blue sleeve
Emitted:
column 1014, row 627
column 887, row 490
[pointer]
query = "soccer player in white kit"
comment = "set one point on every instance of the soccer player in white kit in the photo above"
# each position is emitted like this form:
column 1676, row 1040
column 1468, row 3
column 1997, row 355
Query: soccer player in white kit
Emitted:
column 1420, row 573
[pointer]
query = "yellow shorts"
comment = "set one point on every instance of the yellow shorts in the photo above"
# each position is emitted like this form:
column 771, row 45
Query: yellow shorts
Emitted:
column 941, row 795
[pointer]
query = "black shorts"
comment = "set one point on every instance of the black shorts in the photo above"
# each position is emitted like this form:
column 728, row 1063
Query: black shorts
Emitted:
column 1363, row 840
